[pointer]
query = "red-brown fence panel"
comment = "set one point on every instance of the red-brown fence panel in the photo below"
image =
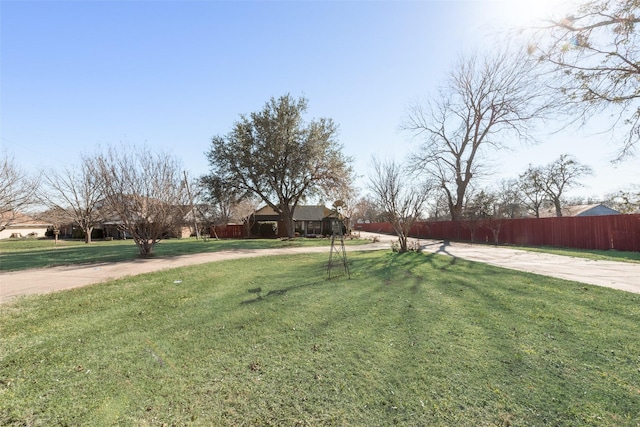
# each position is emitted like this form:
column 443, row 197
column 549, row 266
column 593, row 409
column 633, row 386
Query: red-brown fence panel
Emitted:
column 227, row 231
column 619, row 232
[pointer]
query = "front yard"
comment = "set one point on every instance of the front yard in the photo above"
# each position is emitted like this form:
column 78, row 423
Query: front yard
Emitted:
column 411, row 339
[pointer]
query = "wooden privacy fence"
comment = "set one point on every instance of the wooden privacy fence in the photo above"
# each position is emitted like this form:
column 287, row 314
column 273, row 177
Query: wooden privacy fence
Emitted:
column 619, row 232
column 227, row 231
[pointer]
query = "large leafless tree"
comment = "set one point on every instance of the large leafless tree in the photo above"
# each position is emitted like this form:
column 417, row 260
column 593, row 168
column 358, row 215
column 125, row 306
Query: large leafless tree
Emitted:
column 596, row 54
column 366, row 209
column 77, row 192
column 558, row 176
column 400, row 195
column 488, row 103
column 17, row 190
column 625, row 200
column 276, row 155
column 144, row 193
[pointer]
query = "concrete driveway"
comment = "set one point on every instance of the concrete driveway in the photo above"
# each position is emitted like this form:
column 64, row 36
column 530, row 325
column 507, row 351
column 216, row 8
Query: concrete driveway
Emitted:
column 617, row 275
column 624, row 276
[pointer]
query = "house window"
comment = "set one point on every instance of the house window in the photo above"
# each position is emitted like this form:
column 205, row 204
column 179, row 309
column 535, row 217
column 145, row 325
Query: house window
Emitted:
column 314, row 227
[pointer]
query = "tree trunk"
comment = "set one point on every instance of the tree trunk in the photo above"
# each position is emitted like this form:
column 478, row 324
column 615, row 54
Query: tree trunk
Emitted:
column 247, row 225
column 456, row 209
column 145, row 247
column 287, row 218
column 291, row 229
column 558, row 207
column 456, row 212
column 87, row 235
column 403, row 242
column 496, row 233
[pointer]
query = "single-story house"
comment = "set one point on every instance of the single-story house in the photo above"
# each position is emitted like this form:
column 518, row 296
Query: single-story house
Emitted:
column 309, row 221
column 596, row 209
column 21, row 225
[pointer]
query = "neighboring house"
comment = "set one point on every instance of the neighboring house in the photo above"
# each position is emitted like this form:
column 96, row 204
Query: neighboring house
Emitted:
column 112, row 225
column 580, row 210
column 22, row 225
column 310, row 221
column 114, row 230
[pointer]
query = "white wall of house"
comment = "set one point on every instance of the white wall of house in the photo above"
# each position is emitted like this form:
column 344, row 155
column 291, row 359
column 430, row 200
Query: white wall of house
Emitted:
column 23, row 230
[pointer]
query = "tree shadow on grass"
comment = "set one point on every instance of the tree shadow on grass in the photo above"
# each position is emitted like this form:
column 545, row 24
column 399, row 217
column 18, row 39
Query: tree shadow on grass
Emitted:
column 442, row 250
column 275, row 292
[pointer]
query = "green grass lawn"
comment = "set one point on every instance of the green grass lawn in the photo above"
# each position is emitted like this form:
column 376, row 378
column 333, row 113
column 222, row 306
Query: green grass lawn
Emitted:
column 21, row 254
column 410, row 339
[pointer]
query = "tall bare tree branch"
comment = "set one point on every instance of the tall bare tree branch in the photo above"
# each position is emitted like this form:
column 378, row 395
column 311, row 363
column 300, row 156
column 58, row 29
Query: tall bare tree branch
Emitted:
column 401, row 197
column 18, row 190
column 487, row 103
column 144, row 192
column 595, row 54
column 76, row 192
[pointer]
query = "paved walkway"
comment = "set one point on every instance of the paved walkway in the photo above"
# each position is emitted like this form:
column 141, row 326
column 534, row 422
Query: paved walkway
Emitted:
column 617, row 275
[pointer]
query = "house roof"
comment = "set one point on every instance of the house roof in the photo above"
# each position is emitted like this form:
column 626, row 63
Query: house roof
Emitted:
column 311, row 213
column 580, row 210
column 18, row 219
column 301, row 213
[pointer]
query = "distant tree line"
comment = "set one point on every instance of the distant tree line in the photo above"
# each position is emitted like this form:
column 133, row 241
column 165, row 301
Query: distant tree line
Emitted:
column 140, row 192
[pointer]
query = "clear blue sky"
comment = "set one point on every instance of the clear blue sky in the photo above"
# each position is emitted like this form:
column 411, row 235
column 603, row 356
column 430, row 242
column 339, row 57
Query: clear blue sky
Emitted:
column 169, row 74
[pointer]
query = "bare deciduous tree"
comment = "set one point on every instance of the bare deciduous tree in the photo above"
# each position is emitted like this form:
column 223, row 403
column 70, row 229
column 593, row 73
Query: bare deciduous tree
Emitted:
column 625, row 200
column 559, row 176
column 366, row 209
column 487, row 103
column 596, row 53
column 440, row 208
column 55, row 216
column 399, row 195
column 244, row 211
column 17, row 190
column 77, row 192
column 144, row 192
